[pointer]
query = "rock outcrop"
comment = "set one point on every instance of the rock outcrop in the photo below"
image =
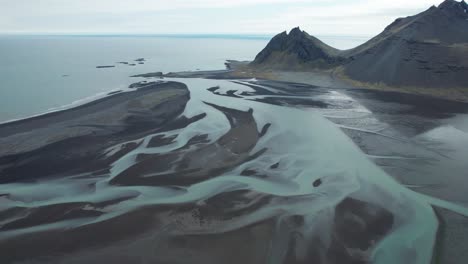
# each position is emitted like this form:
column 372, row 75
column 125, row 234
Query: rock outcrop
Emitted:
column 426, row 50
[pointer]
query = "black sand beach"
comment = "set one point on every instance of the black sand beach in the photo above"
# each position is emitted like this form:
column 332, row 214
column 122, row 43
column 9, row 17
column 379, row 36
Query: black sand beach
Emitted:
column 110, row 156
column 74, row 141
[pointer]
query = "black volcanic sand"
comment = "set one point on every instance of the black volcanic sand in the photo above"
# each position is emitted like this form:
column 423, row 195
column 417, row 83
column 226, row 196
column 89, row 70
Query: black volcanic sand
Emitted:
column 451, row 247
column 277, row 100
column 435, row 167
column 79, row 144
column 284, row 93
column 393, row 126
column 201, row 233
column 230, row 150
column 74, row 141
column 393, row 134
column 284, row 101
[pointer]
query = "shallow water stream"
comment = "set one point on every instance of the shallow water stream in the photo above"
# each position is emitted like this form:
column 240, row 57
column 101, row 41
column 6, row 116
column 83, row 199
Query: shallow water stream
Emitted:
column 302, row 167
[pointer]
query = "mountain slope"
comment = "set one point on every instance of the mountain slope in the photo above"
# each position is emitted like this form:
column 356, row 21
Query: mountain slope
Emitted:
column 426, row 50
column 429, row 49
column 297, row 50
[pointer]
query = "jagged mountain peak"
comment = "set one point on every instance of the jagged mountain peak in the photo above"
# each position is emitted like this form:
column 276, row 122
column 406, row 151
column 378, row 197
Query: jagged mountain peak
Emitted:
column 454, row 7
column 429, row 49
column 295, row 47
column 450, row 3
column 296, row 32
column 293, row 33
column 425, row 50
column 446, row 23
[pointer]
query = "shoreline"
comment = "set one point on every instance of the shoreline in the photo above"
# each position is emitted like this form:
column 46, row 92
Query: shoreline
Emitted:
column 103, row 122
column 59, row 109
column 334, row 75
column 93, row 100
column 240, row 70
column 67, row 106
column 318, row 77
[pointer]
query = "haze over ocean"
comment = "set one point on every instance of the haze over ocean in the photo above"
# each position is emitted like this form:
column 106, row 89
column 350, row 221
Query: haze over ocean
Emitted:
column 61, row 69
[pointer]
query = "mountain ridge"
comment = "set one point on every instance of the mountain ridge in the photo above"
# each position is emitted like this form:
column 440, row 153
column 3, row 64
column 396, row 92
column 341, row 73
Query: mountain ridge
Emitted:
column 429, row 49
column 297, row 48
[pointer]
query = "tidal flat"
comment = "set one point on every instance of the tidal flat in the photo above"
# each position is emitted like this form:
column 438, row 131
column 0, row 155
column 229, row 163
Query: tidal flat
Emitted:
column 180, row 169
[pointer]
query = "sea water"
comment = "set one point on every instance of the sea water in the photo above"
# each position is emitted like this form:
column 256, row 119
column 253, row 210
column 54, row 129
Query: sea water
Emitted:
column 42, row 73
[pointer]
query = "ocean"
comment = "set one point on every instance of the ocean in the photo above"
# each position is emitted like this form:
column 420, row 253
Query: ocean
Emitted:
column 43, row 73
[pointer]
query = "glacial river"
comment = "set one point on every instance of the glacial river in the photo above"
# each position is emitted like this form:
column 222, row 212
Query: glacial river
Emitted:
column 303, row 163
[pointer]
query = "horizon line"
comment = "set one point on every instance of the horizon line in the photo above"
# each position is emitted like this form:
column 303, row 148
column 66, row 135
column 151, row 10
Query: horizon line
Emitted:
column 128, row 34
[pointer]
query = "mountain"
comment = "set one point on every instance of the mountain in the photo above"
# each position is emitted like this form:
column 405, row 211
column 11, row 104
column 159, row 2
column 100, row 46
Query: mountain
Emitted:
column 297, row 50
column 426, row 50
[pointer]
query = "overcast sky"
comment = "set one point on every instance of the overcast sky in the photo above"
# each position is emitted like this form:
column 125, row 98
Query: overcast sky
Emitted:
column 320, row 17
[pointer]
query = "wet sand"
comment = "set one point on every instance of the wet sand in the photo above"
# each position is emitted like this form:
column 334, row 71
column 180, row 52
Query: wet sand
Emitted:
column 75, row 141
column 123, row 179
column 420, row 140
column 197, row 164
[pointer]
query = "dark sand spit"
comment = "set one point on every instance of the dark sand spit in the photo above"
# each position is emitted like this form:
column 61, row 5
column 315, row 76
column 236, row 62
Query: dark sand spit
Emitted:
column 73, row 141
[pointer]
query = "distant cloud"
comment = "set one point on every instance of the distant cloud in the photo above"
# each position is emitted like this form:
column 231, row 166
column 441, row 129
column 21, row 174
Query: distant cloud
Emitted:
column 351, row 17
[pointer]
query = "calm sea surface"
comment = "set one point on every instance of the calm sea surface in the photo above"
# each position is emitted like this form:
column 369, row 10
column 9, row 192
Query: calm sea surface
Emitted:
column 42, row 73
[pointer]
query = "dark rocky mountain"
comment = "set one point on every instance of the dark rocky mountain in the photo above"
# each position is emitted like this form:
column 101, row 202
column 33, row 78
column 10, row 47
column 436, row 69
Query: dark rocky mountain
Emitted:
column 426, row 50
column 297, row 50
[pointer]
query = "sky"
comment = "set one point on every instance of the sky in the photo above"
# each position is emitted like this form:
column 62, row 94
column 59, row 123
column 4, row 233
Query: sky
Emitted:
column 319, row 17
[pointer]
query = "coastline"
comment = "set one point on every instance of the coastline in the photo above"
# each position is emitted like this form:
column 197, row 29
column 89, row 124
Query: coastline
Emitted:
column 89, row 127
column 335, row 77
column 73, row 105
